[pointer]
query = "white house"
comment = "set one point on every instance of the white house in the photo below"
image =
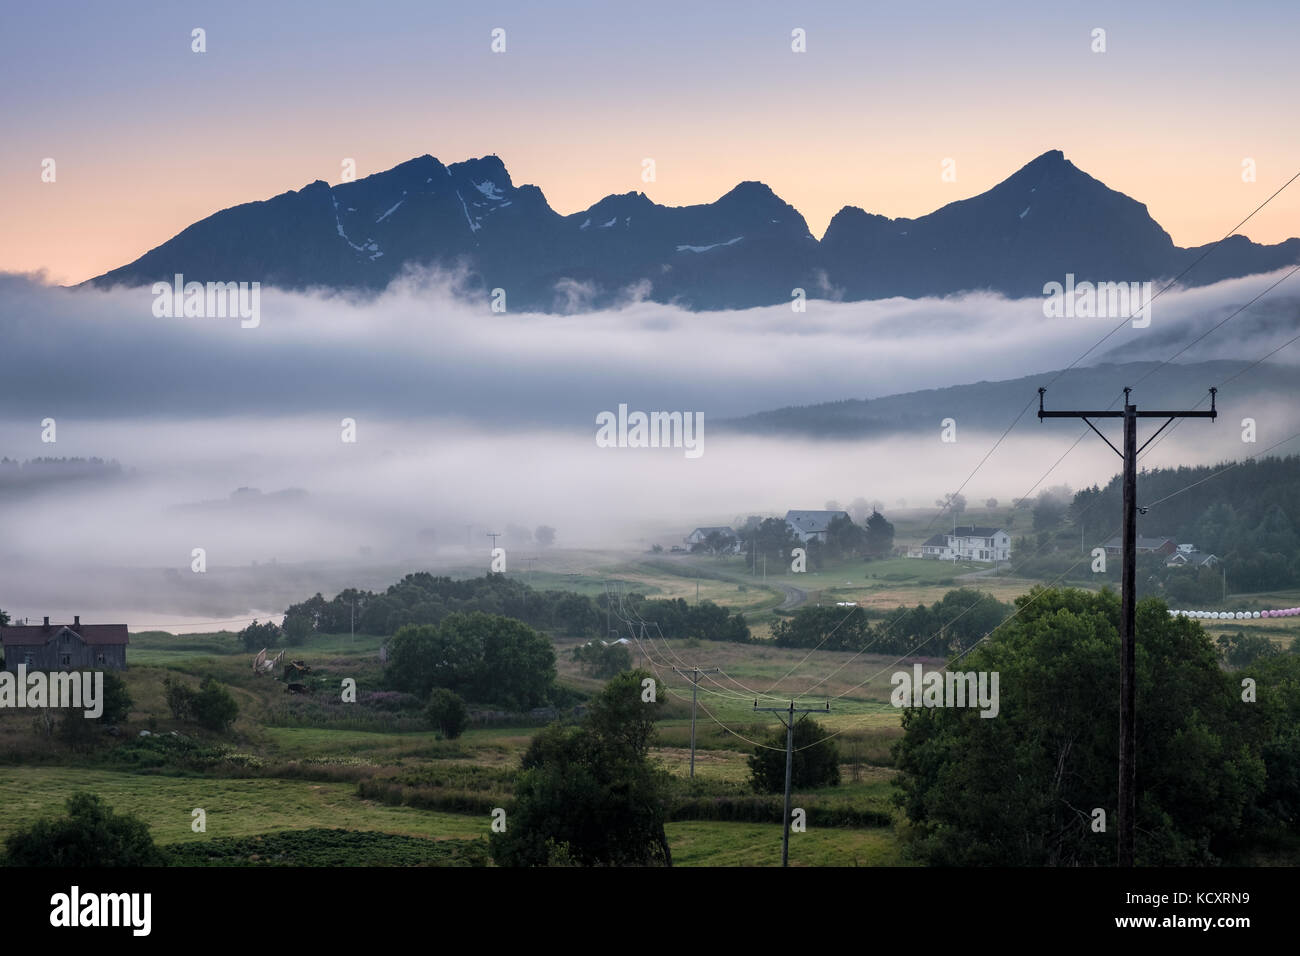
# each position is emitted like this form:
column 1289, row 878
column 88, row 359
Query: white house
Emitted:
column 812, row 524
column 1188, row 557
column 966, row 543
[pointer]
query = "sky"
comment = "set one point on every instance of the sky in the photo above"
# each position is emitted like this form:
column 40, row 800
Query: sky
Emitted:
column 148, row 136
column 488, row 421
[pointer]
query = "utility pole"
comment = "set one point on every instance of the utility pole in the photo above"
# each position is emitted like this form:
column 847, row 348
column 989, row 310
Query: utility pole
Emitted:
column 1127, row 796
column 787, row 717
column 352, row 620
column 695, row 686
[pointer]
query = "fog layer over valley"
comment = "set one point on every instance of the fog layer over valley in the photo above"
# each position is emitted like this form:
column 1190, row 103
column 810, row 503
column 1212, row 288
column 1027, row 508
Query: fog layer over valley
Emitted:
column 468, row 421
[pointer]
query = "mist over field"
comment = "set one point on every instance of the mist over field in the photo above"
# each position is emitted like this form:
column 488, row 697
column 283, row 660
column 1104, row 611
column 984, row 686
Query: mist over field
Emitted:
column 469, row 421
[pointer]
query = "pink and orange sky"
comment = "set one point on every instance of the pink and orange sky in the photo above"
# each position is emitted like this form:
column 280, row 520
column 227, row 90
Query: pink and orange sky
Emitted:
column 148, row 136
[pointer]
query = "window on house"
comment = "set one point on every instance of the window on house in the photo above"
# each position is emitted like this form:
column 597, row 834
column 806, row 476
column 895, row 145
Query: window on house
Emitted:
column 29, row 658
column 65, row 660
column 99, row 658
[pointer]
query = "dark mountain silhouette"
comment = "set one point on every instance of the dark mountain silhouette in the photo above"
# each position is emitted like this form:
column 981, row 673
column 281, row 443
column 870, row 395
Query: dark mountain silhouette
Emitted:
column 748, row 248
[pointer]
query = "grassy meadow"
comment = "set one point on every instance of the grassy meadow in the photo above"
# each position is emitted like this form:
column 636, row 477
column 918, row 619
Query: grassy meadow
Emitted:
column 313, row 780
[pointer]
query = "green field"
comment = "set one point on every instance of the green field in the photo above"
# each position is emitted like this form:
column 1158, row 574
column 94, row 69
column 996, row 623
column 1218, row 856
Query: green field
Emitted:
column 273, row 777
column 300, row 781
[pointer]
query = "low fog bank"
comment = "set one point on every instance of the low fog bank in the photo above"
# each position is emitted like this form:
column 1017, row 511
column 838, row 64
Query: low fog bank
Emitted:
column 468, row 422
column 417, row 350
column 282, row 507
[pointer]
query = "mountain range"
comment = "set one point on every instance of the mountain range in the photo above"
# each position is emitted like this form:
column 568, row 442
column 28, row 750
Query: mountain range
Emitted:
column 989, row 405
column 749, row 248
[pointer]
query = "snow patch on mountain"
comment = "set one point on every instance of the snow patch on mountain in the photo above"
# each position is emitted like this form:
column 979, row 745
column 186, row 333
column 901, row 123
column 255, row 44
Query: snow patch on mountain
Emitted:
column 473, row 226
column 716, row 245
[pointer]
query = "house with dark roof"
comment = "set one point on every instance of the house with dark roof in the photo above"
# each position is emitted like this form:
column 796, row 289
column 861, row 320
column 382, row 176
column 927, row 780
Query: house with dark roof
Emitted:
column 62, row 647
column 812, row 524
column 1165, row 546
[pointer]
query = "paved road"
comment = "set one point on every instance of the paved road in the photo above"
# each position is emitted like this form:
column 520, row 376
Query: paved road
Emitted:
column 793, row 597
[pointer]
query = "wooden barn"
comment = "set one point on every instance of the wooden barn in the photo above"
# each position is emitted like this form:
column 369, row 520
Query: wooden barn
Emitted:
column 61, row 647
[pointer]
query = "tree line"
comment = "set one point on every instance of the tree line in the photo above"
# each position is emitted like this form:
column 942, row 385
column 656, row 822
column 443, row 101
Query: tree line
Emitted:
column 1241, row 513
column 948, row 626
column 426, row 599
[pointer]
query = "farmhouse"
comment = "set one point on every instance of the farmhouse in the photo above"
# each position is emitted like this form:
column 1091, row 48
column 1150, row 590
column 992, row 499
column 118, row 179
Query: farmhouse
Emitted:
column 699, row 535
column 966, row 543
column 75, row 646
column 811, row 524
column 1165, row 546
column 1187, row 556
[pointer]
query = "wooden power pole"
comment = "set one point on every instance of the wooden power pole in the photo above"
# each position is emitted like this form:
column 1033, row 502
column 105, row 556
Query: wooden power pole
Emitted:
column 1127, row 797
column 787, row 717
column 694, row 673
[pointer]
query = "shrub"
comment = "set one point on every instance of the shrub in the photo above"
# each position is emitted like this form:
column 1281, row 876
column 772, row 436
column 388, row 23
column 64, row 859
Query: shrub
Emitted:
column 214, row 708
column 180, row 700
column 816, row 761
column 90, row 835
column 256, row 636
column 296, row 629
column 592, row 788
column 117, row 700
column 447, row 712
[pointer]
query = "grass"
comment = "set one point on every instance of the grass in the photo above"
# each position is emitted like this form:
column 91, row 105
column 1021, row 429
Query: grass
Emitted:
column 322, row 847
column 714, row 843
column 235, row 808
column 295, row 799
column 247, row 820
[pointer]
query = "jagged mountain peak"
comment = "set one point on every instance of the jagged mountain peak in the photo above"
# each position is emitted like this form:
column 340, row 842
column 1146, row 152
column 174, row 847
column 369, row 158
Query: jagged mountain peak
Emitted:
column 747, row 248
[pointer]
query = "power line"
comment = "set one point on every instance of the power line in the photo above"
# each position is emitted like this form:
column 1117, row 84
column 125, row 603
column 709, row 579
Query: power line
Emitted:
column 1016, row 613
column 1221, row 471
column 1127, row 802
column 1125, row 321
column 789, row 722
column 1232, row 378
column 695, row 686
